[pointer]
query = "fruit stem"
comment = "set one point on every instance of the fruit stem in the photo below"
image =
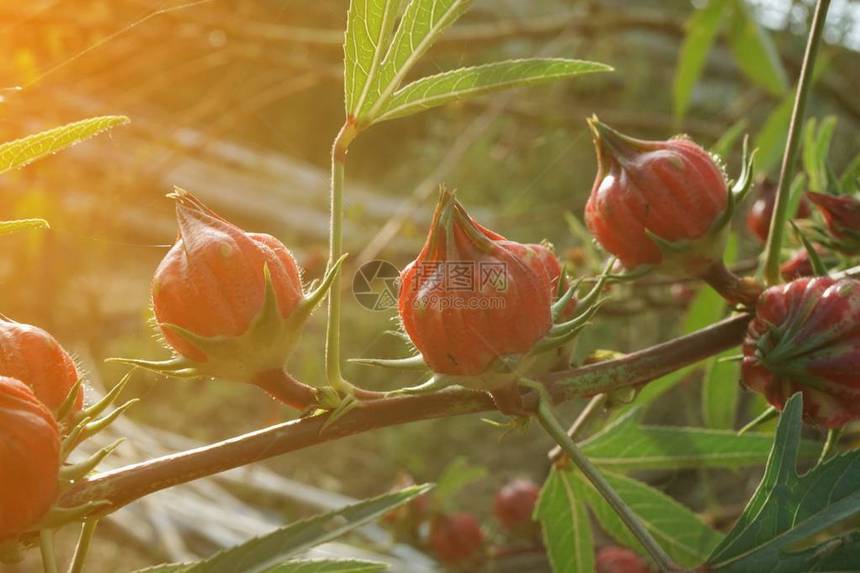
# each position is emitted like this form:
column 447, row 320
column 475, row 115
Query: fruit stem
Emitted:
column 283, row 387
column 88, row 530
column 786, row 172
column 339, row 150
column 736, row 290
column 548, row 420
column 46, row 544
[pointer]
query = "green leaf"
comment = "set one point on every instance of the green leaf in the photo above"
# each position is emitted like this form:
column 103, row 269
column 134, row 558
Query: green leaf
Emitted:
column 457, row 474
column 368, row 31
column 422, row 24
column 702, row 28
column 328, row 567
column 754, row 50
column 9, row 227
column 465, row 83
column 625, row 445
column 816, row 148
column 20, row 152
column 788, row 509
column 562, row 512
column 848, row 182
column 720, row 387
column 684, row 536
column 261, row 553
column 770, row 140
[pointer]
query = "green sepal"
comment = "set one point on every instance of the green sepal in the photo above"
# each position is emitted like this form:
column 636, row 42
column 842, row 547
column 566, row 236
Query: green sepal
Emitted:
column 818, row 266
column 87, row 427
column 435, row 383
column 108, row 399
column 562, row 302
column 564, row 328
column 59, row 516
column 68, row 403
column 74, row 472
column 409, row 363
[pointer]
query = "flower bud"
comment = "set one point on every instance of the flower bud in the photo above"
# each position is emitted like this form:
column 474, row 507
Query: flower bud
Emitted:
column 472, row 297
column 456, row 539
column 657, row 202
column 759, row 216
column 515, row 504
column 211, row 282
column 31, row 355
column 29, row 458
column 230, row 303
column 804, row 338
column 842, row 217
column 613, row 559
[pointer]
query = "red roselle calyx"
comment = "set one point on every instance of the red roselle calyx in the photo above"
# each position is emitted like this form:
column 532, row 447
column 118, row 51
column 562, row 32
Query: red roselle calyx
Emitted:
column 515, row 504
column 842, row 218
column 29, row 458
column 799, row 265
column 230, row 303
column 805, row 338
column 657, row 203
column 457, row 539
column 480, row 308
column 761, row 212
column 666, row 204
column 472, row 297
column 613, row 559
column 33, row 356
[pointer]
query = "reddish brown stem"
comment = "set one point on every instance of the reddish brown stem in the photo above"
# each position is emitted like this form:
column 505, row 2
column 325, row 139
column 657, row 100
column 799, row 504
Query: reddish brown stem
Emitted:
column 736, row 290
column 124, row 485
column 283, row 387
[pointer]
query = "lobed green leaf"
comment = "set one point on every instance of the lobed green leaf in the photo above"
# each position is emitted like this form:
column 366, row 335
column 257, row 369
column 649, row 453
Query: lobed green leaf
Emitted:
column 682, row 533
column 21, row 152
column 562, row 512
column 787, row 510
column 422, row 24
column 369, row 24
column 455, row 85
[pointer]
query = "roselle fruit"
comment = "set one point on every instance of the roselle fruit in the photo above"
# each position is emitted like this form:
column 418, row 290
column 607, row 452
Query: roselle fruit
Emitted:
column 614, row 559
column 515, row 503
column 29, row 458
column 805, row 337
column 761, row 212
column 457, row 539
column 657, row 203
column 33, row 356
column 230, row 303
column 472, row 298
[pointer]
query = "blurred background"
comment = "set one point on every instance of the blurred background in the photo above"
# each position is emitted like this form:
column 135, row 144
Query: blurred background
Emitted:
column 238, row 101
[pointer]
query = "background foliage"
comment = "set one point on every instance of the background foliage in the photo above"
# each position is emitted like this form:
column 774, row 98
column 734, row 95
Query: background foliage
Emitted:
column 238, row 101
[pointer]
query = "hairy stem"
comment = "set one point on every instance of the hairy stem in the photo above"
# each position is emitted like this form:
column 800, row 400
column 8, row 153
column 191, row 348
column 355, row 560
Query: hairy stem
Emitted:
column 124, row 485
column 332, row 343
column 88, row 530
column 550, row 423
column 786, row 172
